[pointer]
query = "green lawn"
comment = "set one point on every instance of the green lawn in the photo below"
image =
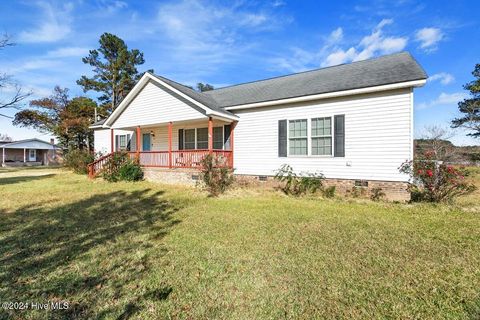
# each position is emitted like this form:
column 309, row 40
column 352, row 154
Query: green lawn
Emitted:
column 146, row 251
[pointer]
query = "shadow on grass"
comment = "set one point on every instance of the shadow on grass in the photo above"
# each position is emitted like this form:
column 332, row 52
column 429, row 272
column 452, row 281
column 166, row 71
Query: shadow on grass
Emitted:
column 20, row 179
column 94, row 253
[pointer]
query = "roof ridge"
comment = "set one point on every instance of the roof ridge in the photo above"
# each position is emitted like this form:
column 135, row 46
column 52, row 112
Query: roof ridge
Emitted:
column 313, row 70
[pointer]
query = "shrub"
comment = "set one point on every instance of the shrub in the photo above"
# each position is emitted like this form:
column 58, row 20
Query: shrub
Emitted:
column 377, row 194
column 216, row 176
column 434, row 181
column 77, row 160
column 299, row 184
column 120, row 167
column 329, row 192
column 357, row 192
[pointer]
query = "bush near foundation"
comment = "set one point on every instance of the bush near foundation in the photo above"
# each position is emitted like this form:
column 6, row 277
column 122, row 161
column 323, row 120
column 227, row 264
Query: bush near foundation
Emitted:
column 120, row 167
column 215, row 175
column 434, row 181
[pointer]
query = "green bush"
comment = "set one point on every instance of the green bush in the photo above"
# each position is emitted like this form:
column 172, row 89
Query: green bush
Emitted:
column 120, row 167
column 77, row 160
column 215, row 175
column 377, row 194
column 329, row 192
column 299, row 184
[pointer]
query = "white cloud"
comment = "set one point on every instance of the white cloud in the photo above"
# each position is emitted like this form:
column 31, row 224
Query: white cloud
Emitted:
column 443, row 77
column 54, row 24
column 368, row 47
column 206, row 35
column 332, row 54
column 444, row 99
column 335, row 36
column 66, row 52
column 429, row 38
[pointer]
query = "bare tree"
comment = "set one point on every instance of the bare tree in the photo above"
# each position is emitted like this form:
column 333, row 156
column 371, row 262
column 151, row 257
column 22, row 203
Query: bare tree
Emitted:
column 6, row 81
column 5, row 137
column 435, row 139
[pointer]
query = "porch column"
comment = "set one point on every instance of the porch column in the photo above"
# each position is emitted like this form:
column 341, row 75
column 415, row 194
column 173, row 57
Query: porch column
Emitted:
column 232, row 129
column 137, row 145
column 170, row 127
column 112, row 139
column 24, row 155
column 3, row 156
column 210, row 135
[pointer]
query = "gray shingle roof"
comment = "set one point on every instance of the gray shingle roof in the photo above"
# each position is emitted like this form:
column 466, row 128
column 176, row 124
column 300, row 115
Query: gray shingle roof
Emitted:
column 395, row 68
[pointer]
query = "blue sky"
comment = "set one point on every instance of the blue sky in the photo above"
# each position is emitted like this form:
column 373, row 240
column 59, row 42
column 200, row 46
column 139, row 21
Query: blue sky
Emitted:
column 228, row 42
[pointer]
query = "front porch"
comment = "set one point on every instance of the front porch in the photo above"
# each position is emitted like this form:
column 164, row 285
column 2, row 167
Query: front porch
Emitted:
column 180, row 144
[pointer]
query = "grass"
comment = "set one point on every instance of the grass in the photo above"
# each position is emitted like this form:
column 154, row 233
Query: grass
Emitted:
column 146, row 251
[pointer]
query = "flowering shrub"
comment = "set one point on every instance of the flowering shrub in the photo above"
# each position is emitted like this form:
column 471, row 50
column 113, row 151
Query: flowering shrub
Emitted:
column 435, row 181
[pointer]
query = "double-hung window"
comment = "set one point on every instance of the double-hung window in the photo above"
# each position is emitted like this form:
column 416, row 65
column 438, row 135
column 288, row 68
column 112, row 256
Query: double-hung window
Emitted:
column 189, row 143
column 297, row 137
column 218, row 138
column 122, row 142
column 198, row 138
column 202, row 138
column 321, row 136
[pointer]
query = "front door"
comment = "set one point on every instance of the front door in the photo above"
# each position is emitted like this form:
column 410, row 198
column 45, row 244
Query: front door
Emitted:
column 146, row 142
column 32, row 155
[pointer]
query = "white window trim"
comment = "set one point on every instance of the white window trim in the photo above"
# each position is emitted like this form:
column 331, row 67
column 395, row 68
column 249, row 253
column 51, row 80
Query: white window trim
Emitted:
column 120, row 143
column 330, row 136
column 196, row 140
column 309, row 137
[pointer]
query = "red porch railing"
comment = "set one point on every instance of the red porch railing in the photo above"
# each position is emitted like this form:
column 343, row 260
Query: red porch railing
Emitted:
column 179, row 158
column 98, row 165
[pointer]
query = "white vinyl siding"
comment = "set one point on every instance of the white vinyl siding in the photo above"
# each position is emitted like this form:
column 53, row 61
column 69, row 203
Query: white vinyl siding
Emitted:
column 153, row 105
column 377, row 137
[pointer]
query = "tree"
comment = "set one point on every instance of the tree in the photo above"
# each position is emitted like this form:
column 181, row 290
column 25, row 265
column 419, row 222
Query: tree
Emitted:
column 204, row 87
column 5, row 137
column 14, row 101
column 470, row 107
column 435, row 140
column 115, row 70
column 65, row 118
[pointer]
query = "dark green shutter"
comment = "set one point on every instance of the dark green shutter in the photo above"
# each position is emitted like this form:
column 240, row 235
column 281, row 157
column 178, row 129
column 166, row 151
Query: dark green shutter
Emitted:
column 226, row 137
column 282, row 138
column 180, row 139
column 339, row 130
column 129, row 142
column 117, row 143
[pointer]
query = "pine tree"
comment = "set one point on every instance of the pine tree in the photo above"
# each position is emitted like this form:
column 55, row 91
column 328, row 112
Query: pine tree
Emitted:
column 470, row 107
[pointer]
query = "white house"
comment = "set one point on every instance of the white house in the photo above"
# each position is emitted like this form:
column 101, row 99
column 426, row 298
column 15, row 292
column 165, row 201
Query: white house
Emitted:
column 351, row 122
column 29, row 152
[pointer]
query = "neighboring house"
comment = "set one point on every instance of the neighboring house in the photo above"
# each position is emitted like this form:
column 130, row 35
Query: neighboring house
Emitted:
column 352, row 122
column 29, row 152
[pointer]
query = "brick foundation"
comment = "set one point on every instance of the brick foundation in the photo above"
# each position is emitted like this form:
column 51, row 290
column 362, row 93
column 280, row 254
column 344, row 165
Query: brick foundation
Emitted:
column 394, row 190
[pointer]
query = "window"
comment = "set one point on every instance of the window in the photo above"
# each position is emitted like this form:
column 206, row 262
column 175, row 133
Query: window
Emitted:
column 198, row 138
column 297, row 137
column 202, row 138
column 189, row 143
column 122, row 142
column 218, row 138
column 322, row 136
